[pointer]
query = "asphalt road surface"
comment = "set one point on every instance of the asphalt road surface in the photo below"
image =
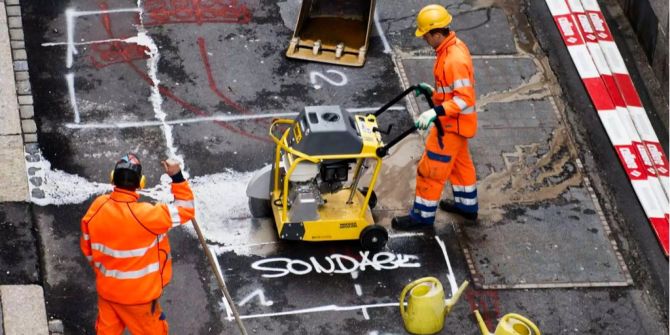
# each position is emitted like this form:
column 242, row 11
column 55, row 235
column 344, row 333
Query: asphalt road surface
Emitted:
column 163, row 79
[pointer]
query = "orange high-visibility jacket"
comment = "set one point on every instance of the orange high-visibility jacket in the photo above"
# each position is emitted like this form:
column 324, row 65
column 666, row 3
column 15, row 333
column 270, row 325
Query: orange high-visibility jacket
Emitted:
column 126, row 243
column 454, row 95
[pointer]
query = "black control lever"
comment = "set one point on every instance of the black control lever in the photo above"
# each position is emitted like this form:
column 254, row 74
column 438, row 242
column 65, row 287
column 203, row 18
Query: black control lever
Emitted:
column 383, row 151
column 386, row 132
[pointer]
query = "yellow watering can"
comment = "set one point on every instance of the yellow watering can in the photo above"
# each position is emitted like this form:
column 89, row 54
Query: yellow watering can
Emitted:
column 510, row 324
column 426, row 307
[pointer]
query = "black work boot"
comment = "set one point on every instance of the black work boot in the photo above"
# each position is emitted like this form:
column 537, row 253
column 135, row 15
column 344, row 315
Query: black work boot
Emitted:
column 407, row 222
column 450, row 206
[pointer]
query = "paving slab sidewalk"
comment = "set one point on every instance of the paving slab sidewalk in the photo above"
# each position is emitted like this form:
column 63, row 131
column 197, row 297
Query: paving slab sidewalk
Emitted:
column 23, row 310
column 14, row 182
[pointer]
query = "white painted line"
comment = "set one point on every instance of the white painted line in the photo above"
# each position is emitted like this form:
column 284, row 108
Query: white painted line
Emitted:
column 52, row 44
column 380, row 31
column 450, row 275
column 327, row 308
column 410, row 234
column 223, row 118
column 357, row 287
column 73, row 98
column 474, row 57
column 229, row 311
column 72, row 14
column 106, row 11
column 71, row 50
column 365, row 313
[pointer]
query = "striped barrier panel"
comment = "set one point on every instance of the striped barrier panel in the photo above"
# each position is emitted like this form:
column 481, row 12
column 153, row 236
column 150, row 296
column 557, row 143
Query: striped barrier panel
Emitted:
column 612, row 118
column 628, row 92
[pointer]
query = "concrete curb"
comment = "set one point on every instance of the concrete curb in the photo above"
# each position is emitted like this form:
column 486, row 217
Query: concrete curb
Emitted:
column 14, row 182
column 18, row 130
column 23, row 89
column 16, row 52
column 22, row 307
column 23, row 310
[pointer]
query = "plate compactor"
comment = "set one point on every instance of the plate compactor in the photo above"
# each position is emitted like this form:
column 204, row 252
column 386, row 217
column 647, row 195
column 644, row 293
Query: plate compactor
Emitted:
column 308, row 189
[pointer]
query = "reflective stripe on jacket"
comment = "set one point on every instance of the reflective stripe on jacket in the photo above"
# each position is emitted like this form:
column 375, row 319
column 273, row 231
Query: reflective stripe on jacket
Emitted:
column 454, row 87
column 126, row 243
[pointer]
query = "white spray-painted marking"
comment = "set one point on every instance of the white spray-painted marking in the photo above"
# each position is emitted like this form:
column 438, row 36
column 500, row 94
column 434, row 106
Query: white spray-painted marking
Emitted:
column 335, row 263
column 365, row 313
column 53, row 44
column 450, row 275
column 224, row 118
column 359, row 290
column 70, row 19
column 261, row 297
column 229, row 311
column 380, row 31
column 69, row 78
column 58, row 187
column 326, row 308
column 409, row 234
column 313, row 75
column 156, row 99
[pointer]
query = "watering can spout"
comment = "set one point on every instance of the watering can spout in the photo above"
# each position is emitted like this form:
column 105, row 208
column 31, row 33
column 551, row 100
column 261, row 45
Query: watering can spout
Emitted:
column 482, row 324
column 453, row 300
column 510, row 324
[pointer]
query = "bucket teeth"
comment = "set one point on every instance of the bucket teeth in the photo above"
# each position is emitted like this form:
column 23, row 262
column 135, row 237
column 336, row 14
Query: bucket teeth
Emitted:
column 339, row 50
column 316, row 47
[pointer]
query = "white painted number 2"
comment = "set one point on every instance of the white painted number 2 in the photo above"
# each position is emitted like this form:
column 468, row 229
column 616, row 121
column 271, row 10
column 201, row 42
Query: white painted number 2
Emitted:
column 314, row 75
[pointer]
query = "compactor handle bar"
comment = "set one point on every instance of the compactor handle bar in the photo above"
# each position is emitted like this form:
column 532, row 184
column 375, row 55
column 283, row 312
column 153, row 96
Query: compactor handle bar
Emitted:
column 383, row 151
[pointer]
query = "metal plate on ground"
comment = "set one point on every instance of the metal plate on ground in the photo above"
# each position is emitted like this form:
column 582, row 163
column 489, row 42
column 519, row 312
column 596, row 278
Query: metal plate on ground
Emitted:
column 539, row 223
column 561, row 243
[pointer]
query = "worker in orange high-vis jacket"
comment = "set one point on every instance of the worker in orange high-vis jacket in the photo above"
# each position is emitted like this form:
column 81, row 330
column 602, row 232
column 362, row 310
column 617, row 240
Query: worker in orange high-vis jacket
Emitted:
column 126, row 243
column 446, row 157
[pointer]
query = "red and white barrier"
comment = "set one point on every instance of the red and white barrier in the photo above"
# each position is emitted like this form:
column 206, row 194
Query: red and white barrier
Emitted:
column 627, row 89
column 593, row 69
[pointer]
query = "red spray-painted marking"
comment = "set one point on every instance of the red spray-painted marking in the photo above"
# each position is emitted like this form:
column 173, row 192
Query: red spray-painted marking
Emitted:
column 487, row 302
column 105, row 54
column 210, row 78
column 162, row 12
column 106, row 22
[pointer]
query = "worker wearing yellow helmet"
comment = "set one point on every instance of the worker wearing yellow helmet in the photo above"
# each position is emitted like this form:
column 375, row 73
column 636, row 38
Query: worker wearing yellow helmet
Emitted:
column 446, row 158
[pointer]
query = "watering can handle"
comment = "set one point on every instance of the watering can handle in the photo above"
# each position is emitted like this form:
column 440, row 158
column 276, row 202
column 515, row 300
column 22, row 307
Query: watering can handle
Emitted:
column 524, row 320
column 411, row 286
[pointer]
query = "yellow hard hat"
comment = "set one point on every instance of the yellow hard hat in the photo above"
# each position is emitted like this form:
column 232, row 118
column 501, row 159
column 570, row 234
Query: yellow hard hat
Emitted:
column 431, row 17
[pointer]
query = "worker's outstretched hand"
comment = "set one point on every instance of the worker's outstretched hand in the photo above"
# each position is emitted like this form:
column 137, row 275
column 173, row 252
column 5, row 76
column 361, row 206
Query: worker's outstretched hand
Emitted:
column 171, row 167
column 425, row 87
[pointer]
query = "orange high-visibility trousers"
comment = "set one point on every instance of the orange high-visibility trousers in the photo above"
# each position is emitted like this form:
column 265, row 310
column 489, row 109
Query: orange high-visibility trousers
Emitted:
column 437, row 165
column 138, row 319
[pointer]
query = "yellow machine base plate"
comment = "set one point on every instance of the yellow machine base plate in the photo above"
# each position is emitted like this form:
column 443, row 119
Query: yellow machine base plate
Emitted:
column 337, row 220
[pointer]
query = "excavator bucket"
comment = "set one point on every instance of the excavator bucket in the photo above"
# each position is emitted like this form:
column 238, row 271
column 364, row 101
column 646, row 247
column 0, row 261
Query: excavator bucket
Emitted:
column 333, row 31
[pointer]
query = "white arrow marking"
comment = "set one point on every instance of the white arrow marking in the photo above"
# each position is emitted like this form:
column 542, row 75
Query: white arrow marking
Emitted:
column 261, row 297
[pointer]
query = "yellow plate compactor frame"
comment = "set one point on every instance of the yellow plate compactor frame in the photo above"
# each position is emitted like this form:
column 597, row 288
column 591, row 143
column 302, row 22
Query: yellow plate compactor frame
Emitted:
column 300, row 185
